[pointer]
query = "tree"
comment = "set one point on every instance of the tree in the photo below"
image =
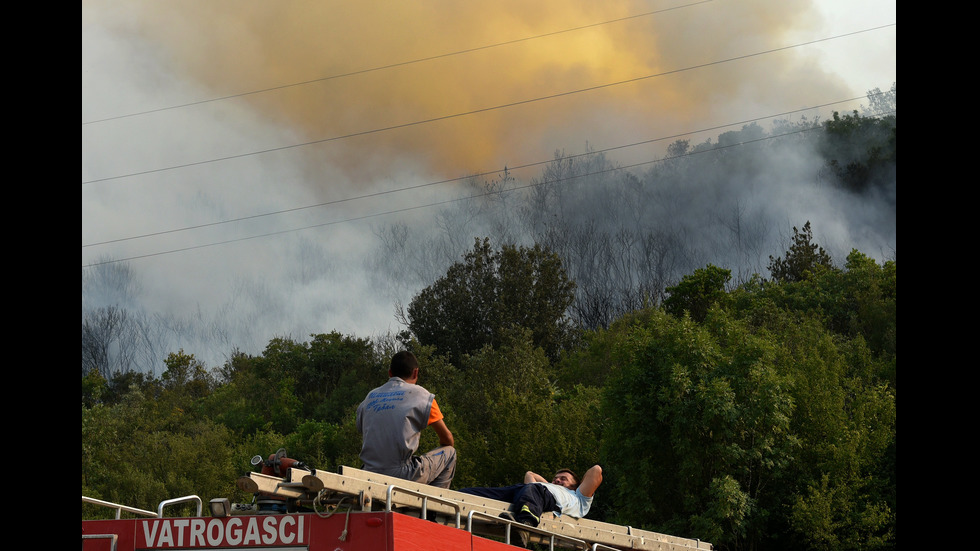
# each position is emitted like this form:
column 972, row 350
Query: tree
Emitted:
column 507, row 416
column 492, row 291
column 340, row 372
column 187, row 376
column 258, row 393
column 144, row 449
column 698, row 292
column 704, row 410
column 839, row 326
column 861, row 151
column 747, row 436
column 93, row 388
column 106, row 346
column 882, row 103
column 858, row 300
column 802, row 258
column 293, row 381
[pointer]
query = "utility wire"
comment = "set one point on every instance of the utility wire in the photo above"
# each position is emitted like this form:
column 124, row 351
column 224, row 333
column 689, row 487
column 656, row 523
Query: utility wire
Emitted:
column 428, row 205
column 450, row 180
column 399, row 64
column 460, row 199
column 487, row 109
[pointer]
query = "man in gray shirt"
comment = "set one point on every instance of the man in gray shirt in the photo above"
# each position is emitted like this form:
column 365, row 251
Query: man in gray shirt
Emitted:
column 390, row 420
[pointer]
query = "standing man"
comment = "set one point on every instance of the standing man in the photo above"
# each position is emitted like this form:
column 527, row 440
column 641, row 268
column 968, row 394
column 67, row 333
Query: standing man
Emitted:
column 390, row 420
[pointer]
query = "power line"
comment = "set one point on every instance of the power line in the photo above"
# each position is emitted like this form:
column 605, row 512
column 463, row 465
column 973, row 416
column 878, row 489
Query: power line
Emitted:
column 419, row 207
column 450, row 180
column 488, row 193
column 487, row 109
column 399, row 64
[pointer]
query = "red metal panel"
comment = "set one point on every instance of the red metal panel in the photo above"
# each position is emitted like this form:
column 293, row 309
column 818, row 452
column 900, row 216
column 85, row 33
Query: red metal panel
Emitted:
column 483, row 544
column 413, row 534
column 364, row 532
column 125, row 529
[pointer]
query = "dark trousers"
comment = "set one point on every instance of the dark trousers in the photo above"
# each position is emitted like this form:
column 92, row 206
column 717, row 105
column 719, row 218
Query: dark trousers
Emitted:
column 529, row 500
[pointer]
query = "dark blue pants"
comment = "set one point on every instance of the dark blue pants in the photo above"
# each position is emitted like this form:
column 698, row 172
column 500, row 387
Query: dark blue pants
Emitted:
column 529, row 500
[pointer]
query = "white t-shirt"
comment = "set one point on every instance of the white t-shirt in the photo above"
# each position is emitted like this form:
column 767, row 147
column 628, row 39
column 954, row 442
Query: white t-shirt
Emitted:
column 571, row 502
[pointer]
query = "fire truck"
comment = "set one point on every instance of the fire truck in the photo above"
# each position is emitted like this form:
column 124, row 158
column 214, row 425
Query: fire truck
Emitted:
column 299, row 508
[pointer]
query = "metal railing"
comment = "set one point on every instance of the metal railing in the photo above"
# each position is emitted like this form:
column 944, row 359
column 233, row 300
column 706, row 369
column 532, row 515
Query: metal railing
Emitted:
column 552, row 536
column 177, row 500
column 425, row 501
column 119, row 508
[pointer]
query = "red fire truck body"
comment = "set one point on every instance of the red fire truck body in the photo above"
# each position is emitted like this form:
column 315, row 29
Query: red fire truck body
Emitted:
column 362, row 531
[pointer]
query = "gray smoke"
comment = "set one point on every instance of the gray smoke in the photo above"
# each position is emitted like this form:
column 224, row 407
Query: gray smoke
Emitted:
column 177, row 232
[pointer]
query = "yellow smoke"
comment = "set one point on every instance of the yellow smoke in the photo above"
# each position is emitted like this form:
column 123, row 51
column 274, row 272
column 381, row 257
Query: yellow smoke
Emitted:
column 235, row 46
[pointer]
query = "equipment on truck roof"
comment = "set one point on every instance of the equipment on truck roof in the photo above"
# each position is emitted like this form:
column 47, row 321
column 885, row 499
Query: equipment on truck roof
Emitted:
column 298, row 507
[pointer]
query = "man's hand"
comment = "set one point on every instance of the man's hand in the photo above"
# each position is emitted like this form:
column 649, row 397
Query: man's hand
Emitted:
column 445, row 436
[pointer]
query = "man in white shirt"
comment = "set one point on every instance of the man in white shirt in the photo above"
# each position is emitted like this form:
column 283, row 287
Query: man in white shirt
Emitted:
column 564, row 495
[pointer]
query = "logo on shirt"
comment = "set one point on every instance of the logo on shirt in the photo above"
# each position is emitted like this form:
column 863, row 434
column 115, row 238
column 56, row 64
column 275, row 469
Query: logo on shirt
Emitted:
column 381, row 401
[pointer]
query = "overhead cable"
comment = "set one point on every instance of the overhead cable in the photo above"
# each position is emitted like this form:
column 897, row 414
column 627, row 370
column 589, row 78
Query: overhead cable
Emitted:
column 399, row 64
column 450, row 180
column 483, row 110
column 447, row 201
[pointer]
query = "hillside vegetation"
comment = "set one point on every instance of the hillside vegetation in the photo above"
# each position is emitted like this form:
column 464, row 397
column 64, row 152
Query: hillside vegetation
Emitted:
column 754, row 412
column 757, row 418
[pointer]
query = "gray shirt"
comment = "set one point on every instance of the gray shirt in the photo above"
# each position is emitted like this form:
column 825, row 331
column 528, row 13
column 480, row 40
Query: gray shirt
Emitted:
column 390, row 419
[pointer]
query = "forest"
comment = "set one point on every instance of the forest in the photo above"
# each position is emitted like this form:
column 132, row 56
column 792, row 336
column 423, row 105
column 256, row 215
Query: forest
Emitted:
column 753, row 408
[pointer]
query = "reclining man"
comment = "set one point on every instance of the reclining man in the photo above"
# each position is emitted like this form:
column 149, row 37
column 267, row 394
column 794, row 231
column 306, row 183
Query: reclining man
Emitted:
column 564, row 495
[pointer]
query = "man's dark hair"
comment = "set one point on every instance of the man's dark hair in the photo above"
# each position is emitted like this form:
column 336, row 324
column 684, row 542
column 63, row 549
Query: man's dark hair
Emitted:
column 574, row 476
column 403, row 364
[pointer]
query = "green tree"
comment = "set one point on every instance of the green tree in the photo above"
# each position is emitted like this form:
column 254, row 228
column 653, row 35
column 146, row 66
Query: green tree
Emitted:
column 699, row 419
column 294, row 381
column 324, row 445
column 858, row 300
column 844, row 478
column 339, row 373
column 871, row 294
column 698, row 292
column 839, row 326
column 861, row 151
column 507, row 416
column 143, row 450
column 803, row 257
column 488, row 293
column 186, row 377
column 258, row 394
column 93, row 388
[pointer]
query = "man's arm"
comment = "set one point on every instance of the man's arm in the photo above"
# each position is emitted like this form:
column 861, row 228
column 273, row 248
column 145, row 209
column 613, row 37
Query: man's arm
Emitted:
column 591, row 481
column 530, row 477
column 445, row 436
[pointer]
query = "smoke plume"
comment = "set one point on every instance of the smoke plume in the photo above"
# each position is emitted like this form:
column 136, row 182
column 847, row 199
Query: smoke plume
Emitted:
column 245, row 157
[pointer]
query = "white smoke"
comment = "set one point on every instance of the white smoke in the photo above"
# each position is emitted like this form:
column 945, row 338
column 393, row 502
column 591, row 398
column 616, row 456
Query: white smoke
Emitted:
column 215, row 271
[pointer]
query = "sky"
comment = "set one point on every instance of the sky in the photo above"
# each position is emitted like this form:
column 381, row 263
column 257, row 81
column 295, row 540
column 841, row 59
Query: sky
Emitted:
column 238, row 156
